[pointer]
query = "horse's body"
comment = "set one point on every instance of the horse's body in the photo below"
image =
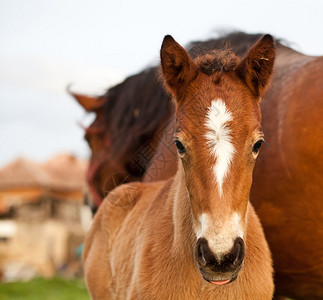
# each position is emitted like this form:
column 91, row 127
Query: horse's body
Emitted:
column 287, row 189
column 195, row 236
column 288, row 180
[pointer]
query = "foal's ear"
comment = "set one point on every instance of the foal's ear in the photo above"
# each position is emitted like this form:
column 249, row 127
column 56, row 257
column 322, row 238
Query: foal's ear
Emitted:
column 256, row 68
column 177, row 66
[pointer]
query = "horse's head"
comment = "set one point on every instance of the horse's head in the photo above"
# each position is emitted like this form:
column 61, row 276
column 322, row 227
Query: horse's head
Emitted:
column 218, row 135
column 102, row 175
column 126, row 118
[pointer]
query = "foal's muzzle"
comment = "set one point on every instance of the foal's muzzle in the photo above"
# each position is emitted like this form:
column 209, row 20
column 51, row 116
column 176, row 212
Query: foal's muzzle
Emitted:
column 221, row 268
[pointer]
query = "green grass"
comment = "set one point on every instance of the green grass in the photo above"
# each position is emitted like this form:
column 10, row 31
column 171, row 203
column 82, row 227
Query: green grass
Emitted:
column 44, row 289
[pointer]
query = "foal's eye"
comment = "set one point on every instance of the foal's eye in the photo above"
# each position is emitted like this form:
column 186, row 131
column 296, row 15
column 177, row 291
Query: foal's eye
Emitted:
column 256, row 146
column 180, row 147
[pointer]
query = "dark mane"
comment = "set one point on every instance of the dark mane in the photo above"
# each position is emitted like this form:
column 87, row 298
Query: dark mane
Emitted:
column 133, row 111
column 239, row 42
column 211, row 57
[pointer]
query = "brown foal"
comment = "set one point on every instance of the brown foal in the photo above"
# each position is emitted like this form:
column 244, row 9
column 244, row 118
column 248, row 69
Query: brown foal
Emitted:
column 196, row 235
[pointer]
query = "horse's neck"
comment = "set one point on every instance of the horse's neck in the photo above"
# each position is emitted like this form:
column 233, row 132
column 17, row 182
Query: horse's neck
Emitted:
column 182, row 215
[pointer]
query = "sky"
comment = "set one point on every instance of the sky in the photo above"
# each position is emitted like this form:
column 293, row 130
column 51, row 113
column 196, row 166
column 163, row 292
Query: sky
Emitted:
column 46, row 45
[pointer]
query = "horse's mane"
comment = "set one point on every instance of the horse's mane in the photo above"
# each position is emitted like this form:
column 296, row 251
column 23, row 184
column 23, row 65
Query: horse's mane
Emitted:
column 220, row 54
column 136, row 107
column 239, row 42
column 133, row 111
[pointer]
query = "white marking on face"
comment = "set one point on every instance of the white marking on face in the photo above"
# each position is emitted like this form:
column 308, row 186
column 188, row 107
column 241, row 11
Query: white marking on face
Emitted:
column 219, row 139
column 220, row 239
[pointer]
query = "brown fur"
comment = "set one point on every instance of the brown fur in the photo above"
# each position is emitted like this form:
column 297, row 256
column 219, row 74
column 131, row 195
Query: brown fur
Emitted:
column 288, row 179
column 141, row 244
column 125, row 258
column 287, row 189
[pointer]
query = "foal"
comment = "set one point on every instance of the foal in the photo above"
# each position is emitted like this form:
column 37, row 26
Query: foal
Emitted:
column 195, row 236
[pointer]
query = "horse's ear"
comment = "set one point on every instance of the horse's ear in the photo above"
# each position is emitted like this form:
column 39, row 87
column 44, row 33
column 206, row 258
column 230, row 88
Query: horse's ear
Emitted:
column 89, row 103
column 177, row 66
column 256, row 68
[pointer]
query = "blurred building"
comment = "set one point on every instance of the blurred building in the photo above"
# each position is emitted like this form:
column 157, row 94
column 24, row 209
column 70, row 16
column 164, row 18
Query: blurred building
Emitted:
column 42, row 217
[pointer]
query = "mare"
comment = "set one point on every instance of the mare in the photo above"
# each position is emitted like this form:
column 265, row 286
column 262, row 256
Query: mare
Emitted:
column 196, row 235
column 288, row 178
column 121, row 137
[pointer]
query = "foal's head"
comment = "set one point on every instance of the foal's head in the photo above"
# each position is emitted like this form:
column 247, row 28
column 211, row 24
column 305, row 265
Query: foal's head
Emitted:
column 218, row 135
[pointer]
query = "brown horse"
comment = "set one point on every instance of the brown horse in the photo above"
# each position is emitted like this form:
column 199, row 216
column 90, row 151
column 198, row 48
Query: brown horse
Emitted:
column 121, row 136
column 287, row 189
column 195, row 236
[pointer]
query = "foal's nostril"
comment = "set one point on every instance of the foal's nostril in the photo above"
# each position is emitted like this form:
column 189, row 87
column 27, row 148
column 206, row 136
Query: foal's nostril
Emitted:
column 237, row 252
column 200, row 255
column 203, row 253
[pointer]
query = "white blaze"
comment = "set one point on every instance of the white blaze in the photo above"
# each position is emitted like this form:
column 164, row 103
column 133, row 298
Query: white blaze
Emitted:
column 219, row 139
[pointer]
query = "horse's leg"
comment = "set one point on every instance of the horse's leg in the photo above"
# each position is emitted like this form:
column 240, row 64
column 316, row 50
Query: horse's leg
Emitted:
column 96, row 277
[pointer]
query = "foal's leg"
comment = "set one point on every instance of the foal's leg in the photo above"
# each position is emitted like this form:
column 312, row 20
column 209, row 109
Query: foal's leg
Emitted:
column 96, row 266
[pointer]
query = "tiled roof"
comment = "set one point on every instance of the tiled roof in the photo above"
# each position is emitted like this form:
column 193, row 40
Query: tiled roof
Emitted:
column 63, row 172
